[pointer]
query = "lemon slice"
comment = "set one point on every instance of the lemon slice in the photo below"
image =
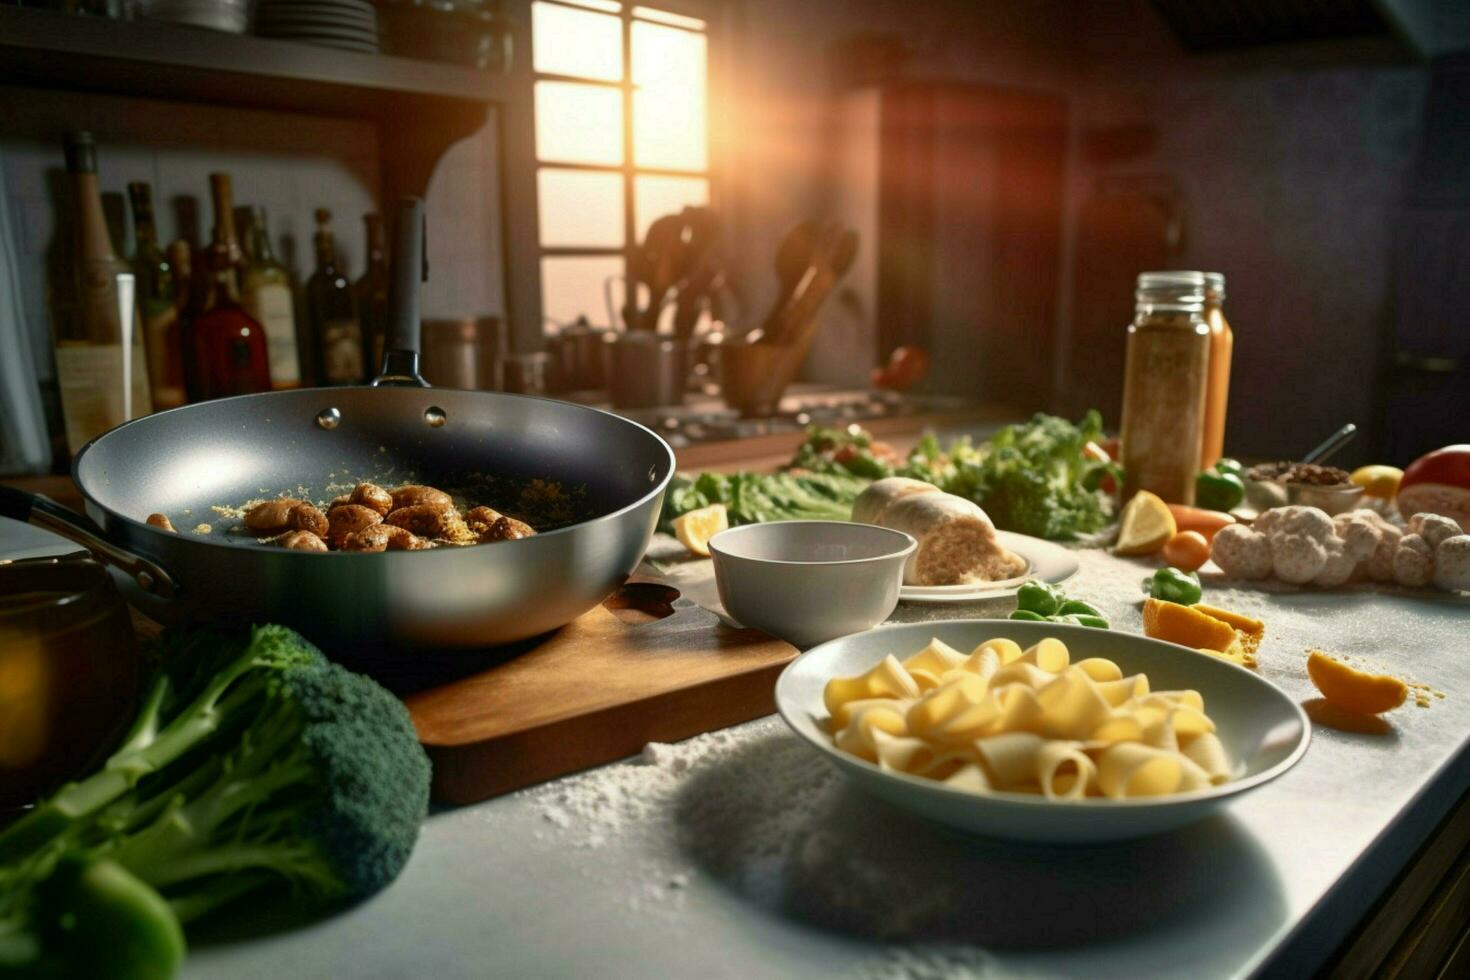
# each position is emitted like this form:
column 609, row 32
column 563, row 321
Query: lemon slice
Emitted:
column 695, row 528
column 1146, row 525
column 1354, row 690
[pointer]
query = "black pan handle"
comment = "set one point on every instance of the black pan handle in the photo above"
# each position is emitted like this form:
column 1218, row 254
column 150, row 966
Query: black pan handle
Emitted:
column 43, row 512
column 410, row 268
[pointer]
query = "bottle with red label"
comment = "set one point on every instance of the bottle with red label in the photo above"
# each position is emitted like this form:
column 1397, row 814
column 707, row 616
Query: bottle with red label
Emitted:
column 227, row 346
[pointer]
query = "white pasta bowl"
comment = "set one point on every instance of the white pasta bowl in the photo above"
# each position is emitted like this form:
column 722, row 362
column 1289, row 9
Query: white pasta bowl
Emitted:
column 1264, row 731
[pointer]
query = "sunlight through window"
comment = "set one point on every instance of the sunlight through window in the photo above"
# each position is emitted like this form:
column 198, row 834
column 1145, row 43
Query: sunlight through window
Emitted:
column 601, row 183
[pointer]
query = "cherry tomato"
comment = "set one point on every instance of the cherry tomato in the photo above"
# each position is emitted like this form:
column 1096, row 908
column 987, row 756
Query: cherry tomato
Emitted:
column 1187, row 550
column 906, row 367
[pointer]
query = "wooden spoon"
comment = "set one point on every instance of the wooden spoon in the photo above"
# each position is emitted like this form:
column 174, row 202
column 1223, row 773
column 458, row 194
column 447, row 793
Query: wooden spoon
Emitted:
column 664, row 250
column 793, row 262
column 832, row 260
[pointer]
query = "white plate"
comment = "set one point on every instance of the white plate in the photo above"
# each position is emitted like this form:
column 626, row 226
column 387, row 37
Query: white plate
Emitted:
column 1264, row 731
column 1045, row 560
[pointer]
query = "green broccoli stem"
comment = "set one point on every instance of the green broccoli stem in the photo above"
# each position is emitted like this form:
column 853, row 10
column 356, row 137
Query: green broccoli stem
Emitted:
column 218, row 892
column 162, row 851
column 148, row 747
column 263, row 783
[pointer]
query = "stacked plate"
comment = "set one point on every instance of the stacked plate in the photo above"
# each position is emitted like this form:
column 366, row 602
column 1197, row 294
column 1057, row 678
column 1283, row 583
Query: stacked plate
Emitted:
column 348, row 24
column 229, row 16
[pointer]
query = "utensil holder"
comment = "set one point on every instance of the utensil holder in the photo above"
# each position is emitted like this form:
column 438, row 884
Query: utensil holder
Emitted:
column 753, row 377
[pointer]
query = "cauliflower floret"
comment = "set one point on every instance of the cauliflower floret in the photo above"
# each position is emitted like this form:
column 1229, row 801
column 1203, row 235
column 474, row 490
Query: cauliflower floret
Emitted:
column 1340, row 564
column 1298, row 538
column 1359, row 532
column 1413, row 561
column 1380, row 564
column 1241, row 552
column 1312, row 522
column 1298, row 558
column 1434, row 528
column 1452, row 564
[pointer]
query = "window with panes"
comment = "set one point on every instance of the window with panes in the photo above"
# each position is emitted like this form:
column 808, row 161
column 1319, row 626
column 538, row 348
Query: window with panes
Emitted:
column 622, row 138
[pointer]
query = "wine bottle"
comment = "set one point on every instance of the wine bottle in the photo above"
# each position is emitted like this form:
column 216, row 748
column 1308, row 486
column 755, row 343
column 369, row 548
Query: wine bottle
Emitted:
column 156, row 302
column 228, row 346
column 90, row 325
column 333, row 312
column 266, row 295
column 181, row 262
column 372, row 291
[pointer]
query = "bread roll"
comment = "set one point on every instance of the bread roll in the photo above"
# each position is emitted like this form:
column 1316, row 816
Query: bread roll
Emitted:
column 957, row 541
column 878, row 497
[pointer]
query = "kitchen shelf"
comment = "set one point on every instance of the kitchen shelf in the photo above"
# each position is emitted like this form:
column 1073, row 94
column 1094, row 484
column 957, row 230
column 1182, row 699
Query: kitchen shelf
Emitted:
column 146, row 58
column 420, row 108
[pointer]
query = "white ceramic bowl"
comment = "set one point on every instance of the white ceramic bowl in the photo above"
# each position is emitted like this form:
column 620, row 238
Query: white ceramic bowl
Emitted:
column 810, row 581
column 1263, row 730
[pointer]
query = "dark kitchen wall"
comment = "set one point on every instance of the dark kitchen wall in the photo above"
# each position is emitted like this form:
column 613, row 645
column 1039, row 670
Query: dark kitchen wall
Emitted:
column 1292, row 163
column 779, row 133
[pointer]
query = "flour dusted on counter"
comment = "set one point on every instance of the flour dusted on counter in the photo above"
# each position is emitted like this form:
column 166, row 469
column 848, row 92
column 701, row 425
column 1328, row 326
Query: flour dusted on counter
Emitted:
column 929, row 963
column 647, row 793
column 667, row 804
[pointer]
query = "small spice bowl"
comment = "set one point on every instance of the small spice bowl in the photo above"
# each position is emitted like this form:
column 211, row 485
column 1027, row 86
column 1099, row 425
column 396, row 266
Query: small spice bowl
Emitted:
column 68, row 673
column 810, row 581
column 1333, row 498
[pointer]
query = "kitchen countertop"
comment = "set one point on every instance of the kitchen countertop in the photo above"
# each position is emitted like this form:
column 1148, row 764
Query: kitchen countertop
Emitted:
column 742, row 854
column 656, row 867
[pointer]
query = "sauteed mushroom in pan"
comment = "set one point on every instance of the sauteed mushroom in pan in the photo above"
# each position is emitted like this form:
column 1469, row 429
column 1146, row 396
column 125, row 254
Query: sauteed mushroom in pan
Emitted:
column 410, row 518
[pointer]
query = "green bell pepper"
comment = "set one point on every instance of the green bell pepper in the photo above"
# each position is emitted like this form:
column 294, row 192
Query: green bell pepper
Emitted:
column 1232, row 466
column 1096, row 622
column 1218, row 491
column 1173, row 585
column 1038, row 597
column 1076, row 607
column 1028, row 615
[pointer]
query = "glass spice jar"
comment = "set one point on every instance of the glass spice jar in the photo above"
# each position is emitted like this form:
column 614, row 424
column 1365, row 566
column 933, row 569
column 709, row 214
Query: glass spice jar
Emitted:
column 1164, row 386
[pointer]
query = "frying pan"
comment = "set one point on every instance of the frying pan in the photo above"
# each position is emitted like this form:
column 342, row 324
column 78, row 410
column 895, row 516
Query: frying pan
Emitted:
column 607, row 472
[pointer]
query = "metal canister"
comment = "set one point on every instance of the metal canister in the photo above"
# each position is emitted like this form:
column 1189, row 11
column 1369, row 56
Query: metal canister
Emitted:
column 528, row 374
column 465, row 352
column 579, row 361
column 646, row 369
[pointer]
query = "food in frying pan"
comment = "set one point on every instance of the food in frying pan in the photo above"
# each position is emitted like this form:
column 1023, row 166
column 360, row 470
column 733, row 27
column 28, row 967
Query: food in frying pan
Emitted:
column 161, row 521
column 371, row 518
column 303, row 541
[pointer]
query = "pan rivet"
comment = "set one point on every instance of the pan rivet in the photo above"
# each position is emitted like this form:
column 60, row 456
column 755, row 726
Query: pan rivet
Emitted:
column 145, row 581
column 434, row 415
column 328, row 418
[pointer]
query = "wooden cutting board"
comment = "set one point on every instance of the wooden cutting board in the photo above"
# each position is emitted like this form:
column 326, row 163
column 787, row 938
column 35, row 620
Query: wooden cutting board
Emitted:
column 646, row 666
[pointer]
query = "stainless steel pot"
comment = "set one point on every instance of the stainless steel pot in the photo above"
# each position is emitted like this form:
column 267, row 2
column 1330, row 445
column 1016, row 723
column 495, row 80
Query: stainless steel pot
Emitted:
column 646, row 369
column 186, row 461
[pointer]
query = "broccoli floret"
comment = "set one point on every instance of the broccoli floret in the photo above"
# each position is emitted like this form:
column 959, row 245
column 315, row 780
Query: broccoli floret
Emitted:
column 250, row 764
